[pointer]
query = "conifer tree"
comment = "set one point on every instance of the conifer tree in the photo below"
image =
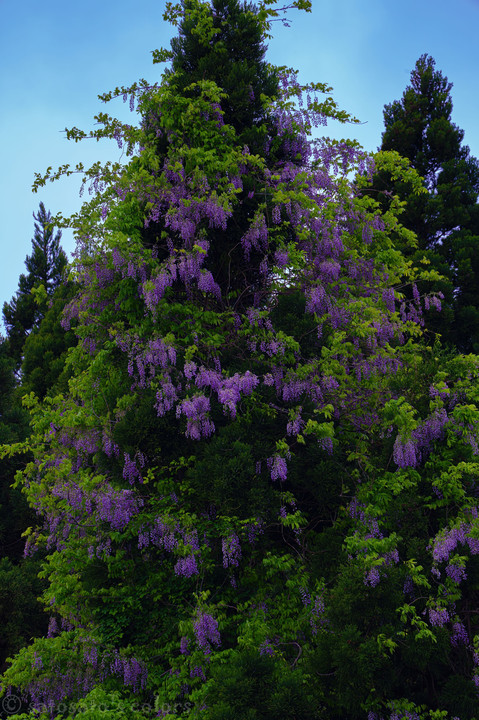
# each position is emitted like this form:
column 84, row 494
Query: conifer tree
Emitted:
column 446, row 219
column 234, row 60
column 21, row 614
column 231, row 57
column 14, row 512
column 45, row 267
column 257, row 496
column 45, row 349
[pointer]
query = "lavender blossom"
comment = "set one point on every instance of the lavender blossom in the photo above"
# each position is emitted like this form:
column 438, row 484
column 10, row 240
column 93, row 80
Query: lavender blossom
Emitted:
column 231, row 551
column 278, row 467
column 186, row 566
column 206, row 632
column 459, row 635
column 438, row 617
column 198, row 424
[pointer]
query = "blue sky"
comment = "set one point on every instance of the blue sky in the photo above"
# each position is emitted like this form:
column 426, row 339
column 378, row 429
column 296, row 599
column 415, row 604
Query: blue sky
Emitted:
column 56, row 57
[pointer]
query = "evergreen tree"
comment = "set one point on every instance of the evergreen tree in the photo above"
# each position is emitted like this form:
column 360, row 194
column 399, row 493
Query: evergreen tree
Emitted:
column 232, row 61
column 15, row 515
column 446, row 218
column 258, row 494
column 45, row 349
column 21, row 614
column 45, row 267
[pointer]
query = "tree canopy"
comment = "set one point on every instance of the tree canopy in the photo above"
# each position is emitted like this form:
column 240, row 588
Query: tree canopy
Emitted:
column 45, row 266
column 446, row 219
column 257, row 495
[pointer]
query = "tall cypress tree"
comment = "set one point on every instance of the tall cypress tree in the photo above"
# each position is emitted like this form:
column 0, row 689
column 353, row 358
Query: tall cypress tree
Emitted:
column 446, row 218
column 45, row 266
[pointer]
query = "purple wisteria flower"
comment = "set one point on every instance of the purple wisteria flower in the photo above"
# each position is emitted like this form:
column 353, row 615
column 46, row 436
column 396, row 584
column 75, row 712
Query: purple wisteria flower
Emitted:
column 130, row 470
column 207, row 284
column 281, row 258
column 317, row 618
column 254, row 530
column 184, row 642
column 434, row 301
column 446, row 541
column 278, row 467
column 231, row 389
column 305, row 596
column 206, row 632
column 438, row 616
column 404, row 453
column 326, row 443
column 186, row 566
column 459, row 635
column 372, row 577
column 256, row 237
column 231, row 551
column 456, row 571
column 266, row 648
column 389, row 299
column 198, row 424
column 117, row 507
column 52, row 627
column 166, row 397
column 276, row 214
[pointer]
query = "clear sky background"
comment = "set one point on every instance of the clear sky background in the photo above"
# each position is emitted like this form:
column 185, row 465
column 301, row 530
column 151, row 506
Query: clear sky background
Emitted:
column 56, row 57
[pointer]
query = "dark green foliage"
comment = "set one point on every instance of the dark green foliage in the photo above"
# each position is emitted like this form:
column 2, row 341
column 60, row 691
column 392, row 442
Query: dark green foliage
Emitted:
column 22, row 617
column 229, row 465
column 446, row 219
column 13, row 421
column 290, row 315
column 458, row 697
column 34, row 334
column 15, row 514
column 45, row 349
column 13, row 428
column 45, row 267
column 234, row 61
column 251, row 686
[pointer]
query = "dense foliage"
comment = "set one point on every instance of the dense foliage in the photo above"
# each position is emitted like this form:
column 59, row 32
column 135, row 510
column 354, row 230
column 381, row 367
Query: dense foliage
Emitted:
column 258, row 492
column 45, row 267
column 446, row 218
column 36, row 345
column 21, row 615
